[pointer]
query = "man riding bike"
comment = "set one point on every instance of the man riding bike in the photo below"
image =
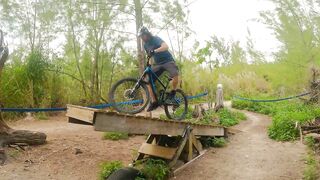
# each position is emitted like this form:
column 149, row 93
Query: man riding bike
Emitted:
column 163, row 61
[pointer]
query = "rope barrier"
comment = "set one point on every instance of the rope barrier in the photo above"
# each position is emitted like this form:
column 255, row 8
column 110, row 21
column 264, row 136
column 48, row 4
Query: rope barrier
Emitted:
column 99, row 106
column 272, row 100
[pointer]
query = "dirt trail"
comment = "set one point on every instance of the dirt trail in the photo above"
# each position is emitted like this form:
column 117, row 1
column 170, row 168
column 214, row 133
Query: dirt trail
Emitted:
column 250, row 154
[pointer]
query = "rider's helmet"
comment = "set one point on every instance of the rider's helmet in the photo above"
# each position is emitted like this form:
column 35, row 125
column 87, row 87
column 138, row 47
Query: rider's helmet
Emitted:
column 144, row 31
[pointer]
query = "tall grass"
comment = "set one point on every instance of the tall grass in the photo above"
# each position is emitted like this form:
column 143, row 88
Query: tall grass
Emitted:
column 284, row 115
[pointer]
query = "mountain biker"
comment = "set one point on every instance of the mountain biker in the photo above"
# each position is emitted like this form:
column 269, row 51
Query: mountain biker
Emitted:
column 163, row 61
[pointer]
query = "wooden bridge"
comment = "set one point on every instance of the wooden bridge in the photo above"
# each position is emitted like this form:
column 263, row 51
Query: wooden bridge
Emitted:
column 172, row 141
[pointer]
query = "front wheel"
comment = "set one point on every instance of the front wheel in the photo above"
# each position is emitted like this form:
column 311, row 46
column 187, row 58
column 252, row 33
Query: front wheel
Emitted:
column 179, row 108
column 128, row 96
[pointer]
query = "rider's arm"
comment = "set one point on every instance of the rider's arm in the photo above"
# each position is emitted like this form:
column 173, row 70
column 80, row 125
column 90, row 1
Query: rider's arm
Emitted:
column 164, row 47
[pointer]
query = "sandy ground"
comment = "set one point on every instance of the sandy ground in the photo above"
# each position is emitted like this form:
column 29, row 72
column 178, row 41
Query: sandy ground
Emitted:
column 58, row 160
column 250, row 154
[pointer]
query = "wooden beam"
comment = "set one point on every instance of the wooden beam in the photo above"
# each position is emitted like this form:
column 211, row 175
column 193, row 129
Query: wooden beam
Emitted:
column 190, row 147
column 175, row 172
column 197, row 144
column 108, row 121
column 181, row 146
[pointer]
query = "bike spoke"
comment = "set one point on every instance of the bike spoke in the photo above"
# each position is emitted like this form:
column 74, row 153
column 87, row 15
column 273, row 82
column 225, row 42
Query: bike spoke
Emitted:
column 128, row 100
column 178, row 108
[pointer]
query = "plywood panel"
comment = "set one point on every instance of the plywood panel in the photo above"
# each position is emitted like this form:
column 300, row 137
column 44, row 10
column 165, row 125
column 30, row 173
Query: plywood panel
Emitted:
column 158, row 151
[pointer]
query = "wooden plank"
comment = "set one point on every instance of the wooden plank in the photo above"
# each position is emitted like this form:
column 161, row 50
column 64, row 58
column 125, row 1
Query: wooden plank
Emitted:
column 190, row 147
column 149, row 140
column 158, row 151
column 81, row 113
column 178, row 170
column 141, row 125
column 84, row 108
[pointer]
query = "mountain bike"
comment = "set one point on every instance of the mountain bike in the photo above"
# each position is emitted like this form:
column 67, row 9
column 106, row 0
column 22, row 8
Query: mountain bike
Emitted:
column 131, row 96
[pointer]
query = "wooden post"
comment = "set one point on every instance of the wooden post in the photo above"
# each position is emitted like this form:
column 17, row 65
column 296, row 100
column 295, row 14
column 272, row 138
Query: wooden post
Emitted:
column 219, row 98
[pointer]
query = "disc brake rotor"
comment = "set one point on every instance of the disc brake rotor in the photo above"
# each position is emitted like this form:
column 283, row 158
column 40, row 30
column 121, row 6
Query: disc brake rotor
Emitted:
column 128, row 94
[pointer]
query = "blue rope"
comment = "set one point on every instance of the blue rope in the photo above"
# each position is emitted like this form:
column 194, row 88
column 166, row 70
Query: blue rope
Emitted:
column 99, row 106
column 271, row 100
column 31, row 109
column 198, row 96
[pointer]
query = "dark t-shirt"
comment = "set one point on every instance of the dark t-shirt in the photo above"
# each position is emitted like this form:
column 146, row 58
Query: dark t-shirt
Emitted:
column 160, row 57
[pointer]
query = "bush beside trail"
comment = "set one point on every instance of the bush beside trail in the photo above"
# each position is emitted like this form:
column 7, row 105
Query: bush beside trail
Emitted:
column 284, row 115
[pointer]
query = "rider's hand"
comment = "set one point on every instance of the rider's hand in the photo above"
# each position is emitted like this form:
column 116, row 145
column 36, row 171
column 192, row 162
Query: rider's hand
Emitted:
column 151, row 52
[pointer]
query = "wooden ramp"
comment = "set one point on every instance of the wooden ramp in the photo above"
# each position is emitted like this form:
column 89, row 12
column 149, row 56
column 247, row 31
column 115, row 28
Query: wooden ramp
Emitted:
column 172, row 141
column 140, row 125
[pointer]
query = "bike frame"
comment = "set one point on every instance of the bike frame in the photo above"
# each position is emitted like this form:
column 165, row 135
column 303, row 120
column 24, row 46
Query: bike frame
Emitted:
column 152, row 75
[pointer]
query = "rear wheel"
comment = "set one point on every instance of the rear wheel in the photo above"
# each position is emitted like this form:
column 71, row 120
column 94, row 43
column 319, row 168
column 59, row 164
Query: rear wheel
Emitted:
column 127, row 173
column 179, row 108
column 127, row 96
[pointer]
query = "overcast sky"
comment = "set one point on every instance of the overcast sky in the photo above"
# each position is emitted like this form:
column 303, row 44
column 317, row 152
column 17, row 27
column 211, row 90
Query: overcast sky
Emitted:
column 230, row 19
column 224, row 18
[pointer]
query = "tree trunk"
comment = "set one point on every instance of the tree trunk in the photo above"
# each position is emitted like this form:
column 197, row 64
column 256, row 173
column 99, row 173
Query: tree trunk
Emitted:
column 8, row 135
column 139, row 23
column 315, row 86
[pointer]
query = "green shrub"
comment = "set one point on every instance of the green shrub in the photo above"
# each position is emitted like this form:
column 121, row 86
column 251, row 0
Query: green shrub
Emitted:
column 284, row 116
column 115, row 136
column 263, row 108
column 310, row 141
column 41, row 116
column 283, row 122
column 213, row 142
column 208, row 117
column 227, row 118
column 311, row 170
column 107, row 168
column 154, row 169
column 283, row 128
column 240, row 116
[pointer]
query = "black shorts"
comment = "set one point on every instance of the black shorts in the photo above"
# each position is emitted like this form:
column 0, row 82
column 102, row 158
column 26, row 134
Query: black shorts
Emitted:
column 171, row 67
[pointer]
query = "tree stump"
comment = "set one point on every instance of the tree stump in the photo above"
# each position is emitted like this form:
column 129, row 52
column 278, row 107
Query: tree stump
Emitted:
column 198, row 111
column 219, row 98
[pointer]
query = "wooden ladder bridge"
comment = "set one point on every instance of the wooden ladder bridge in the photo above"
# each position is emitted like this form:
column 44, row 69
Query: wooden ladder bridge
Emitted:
column 176, row 142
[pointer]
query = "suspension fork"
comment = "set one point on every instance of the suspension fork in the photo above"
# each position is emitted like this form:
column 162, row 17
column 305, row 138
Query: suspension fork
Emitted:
column 139, row 82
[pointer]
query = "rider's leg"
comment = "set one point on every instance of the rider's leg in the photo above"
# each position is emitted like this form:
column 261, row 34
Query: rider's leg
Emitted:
column 154, row 104
column 175, row 82
column 173, row 70
column 153, row 97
